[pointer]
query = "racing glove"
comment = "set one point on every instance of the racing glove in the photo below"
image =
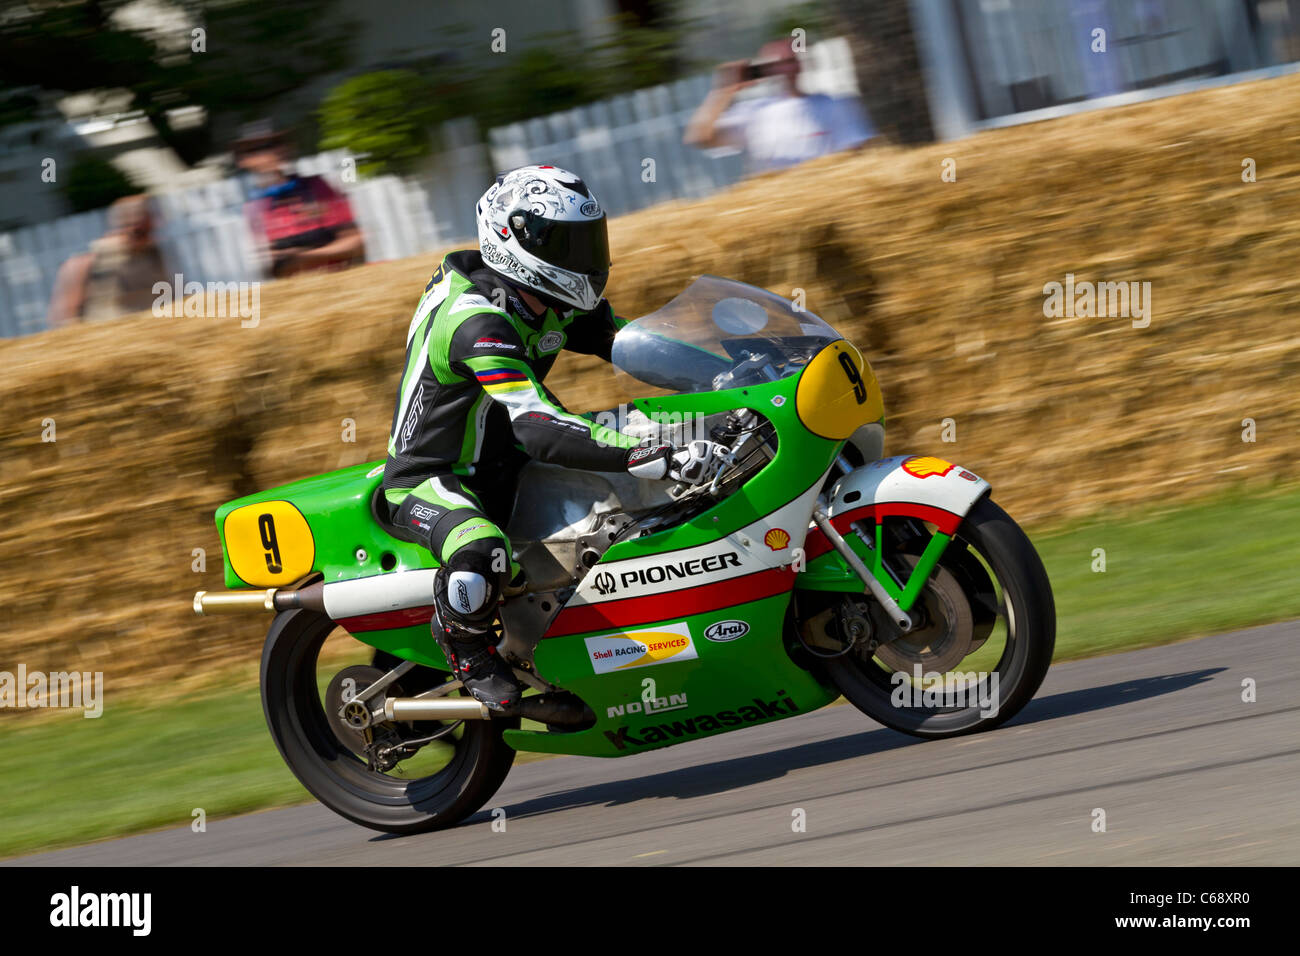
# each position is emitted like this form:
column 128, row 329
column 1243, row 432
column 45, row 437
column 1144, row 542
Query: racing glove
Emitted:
column 695, row 463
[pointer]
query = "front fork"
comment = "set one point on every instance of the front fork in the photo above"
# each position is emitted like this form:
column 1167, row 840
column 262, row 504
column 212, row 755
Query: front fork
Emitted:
column 896, row 599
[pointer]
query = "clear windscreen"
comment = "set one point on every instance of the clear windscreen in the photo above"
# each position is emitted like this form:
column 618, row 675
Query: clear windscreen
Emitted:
column 718, row 334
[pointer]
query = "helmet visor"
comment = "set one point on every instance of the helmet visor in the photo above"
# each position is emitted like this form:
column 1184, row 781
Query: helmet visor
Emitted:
column 581, row 246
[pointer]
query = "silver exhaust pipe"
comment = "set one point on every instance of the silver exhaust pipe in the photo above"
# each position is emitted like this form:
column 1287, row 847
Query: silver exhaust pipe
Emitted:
column 561, row 709
column 435, row 708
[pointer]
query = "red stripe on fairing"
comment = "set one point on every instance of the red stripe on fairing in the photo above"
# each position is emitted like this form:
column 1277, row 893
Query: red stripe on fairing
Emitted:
column 383, row 620
column 626, row 612
column 629, row 612
column 815, row 545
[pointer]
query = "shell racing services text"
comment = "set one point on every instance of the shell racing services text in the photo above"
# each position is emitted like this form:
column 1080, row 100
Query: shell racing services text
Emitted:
column 622, row 651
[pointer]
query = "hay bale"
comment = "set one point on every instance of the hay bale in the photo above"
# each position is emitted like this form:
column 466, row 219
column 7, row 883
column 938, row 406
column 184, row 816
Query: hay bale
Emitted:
column 160, row 420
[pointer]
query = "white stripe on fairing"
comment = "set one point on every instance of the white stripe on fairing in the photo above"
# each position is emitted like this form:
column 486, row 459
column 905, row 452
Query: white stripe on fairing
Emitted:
column 381, row 592
column 587, row 593
column 448, row 495
column 792, row 518
column 885, row 481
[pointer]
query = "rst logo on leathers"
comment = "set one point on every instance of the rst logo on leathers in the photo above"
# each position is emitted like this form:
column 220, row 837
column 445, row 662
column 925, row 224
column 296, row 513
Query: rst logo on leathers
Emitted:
column 665, row 644
column 413, row 418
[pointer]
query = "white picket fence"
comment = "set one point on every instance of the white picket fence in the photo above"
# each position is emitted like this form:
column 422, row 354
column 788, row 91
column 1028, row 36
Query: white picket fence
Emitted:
column 204, row 236
column 29, row 259
column 629, row 149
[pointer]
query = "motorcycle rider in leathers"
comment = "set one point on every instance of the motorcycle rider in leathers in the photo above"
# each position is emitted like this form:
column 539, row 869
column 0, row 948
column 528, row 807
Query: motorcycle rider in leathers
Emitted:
column 472, row 409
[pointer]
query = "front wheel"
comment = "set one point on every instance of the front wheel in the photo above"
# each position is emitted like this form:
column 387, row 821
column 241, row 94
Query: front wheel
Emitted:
column 985, row 635
column 419, row 785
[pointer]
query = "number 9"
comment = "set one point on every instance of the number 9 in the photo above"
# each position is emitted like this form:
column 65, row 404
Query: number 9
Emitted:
column 266, row 525
column 854, row 376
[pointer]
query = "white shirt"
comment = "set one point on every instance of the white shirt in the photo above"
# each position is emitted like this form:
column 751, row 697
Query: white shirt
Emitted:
column 781, row 131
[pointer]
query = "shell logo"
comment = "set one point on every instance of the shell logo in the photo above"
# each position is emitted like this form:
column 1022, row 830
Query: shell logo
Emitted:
column 923, row 466
column 776, row 539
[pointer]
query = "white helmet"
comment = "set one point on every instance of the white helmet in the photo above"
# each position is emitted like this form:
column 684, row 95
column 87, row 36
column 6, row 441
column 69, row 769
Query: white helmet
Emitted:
column 541, row 228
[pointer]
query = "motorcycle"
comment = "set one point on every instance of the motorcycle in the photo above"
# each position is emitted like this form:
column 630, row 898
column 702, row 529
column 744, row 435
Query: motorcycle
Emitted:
column 811, row 567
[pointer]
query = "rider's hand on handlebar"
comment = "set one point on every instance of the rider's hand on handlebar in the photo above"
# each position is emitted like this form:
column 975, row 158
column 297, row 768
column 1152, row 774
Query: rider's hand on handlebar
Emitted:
column 698, row 462
column 695, row 463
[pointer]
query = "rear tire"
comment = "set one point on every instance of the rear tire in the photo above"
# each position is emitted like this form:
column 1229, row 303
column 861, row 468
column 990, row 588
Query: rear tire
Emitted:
column 337, row 777
column 1029, row 613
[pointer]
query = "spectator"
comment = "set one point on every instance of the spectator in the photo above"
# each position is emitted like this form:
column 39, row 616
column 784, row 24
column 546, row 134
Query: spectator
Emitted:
column 117, row 276
column 305, row 223
column 774, row 129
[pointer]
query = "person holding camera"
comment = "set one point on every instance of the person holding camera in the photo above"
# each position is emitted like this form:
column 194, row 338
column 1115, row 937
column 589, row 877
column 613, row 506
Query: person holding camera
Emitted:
column 775, row 129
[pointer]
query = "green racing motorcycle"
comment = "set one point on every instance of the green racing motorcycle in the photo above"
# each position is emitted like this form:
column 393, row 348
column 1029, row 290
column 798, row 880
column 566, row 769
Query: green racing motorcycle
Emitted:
column 811, row 567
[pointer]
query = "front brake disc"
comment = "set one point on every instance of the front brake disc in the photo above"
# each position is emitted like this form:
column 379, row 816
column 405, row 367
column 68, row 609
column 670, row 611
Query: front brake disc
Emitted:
column 946, row 635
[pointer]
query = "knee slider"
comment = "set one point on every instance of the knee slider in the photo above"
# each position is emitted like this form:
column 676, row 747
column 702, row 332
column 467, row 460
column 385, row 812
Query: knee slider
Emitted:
column 467, row 587
column 467, row 592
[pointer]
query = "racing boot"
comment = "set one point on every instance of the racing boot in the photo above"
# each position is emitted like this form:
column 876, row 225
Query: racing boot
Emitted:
column 464, row 605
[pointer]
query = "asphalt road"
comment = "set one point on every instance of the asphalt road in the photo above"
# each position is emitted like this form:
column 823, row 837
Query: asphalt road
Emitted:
column 1160, row 739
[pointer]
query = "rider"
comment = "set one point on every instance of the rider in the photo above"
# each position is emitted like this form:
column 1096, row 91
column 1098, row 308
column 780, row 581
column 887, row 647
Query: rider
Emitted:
column 471, row 407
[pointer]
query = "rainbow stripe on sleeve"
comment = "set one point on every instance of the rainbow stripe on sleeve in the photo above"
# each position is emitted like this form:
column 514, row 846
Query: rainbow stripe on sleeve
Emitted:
column 501, row 380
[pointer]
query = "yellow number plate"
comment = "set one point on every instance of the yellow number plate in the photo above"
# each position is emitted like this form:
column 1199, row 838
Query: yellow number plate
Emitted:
column 269, row 544
column 838, row 392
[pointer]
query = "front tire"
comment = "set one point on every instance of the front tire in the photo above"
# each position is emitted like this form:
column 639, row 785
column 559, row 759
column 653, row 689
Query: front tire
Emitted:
column 331, row 770
column 1022, row 607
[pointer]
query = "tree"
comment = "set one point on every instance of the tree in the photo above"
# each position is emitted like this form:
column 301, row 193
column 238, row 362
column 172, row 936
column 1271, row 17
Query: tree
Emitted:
column 257, row 51
column 385, row 117
column 252, row 52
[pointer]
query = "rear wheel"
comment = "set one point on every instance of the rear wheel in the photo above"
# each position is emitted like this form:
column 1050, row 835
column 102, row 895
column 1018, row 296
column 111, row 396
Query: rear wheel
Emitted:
column 984, row 640
column 413, row 786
